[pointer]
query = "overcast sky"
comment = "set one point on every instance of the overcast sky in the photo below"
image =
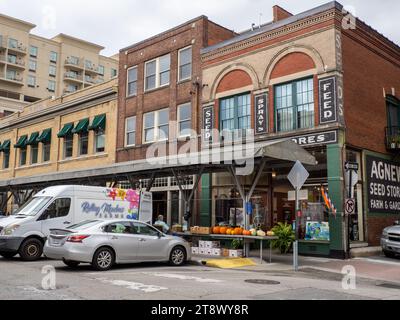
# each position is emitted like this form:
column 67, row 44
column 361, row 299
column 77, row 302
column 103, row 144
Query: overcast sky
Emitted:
column 119, row 23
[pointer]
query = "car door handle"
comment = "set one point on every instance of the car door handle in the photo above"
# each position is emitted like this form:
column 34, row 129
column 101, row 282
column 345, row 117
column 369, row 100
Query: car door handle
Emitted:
column 114, row 238
column 142, row 240
column 67, row 222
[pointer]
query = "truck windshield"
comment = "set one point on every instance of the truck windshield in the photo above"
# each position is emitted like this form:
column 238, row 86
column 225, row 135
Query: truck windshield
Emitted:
column 33, row 206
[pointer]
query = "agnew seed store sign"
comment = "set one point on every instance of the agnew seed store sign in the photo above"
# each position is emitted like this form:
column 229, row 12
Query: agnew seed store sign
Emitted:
column 383, row 179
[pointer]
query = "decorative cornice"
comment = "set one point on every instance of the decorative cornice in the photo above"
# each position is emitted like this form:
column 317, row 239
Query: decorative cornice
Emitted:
column 258, row 39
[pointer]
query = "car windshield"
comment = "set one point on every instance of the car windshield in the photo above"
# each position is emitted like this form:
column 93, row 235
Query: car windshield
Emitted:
column 85, row 224
column 33, row 206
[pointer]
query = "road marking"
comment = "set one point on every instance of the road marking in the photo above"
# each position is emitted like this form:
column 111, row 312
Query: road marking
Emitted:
column 392, row 263
column 181, row 277
column 133, row 285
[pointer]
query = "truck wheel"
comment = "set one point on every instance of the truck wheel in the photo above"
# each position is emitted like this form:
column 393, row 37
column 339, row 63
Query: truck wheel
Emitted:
column 389, row 254
column 177, row 256
column 103, row 259
column 8, row 255
column 31, row 250
column 71, row 264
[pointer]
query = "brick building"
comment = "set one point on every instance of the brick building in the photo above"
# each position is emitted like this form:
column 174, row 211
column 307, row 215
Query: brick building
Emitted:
column 159, row 98
column 331, row 83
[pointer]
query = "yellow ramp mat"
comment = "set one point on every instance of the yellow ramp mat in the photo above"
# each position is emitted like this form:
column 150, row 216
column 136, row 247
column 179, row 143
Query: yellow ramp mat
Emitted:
column 230, row 263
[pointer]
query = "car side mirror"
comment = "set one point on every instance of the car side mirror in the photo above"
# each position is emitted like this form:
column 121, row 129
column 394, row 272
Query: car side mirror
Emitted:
column 160, row 235
column 397, row 223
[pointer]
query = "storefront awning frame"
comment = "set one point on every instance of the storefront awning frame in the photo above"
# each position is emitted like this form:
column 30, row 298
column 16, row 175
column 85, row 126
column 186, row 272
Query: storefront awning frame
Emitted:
column 185, row 164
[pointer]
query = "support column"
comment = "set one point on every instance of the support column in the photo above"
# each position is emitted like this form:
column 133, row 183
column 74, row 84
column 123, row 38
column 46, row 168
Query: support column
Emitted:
column 205, row 200
column 336, row 193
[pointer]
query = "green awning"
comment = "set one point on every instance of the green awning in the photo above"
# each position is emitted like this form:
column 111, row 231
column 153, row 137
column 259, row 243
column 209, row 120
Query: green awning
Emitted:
column 45, row 136
column 5, row 146
column 99, row 122
column 66, row 130
column 21, row 142
column 32, row 139
column 82, row 126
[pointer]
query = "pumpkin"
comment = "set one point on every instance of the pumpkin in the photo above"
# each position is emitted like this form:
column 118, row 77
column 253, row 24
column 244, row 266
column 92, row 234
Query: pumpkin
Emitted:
column 260, row 233
column 246, row 233
column 216, row 230
column 253, row 232
column 229, row 231
column 222, row 230
column 238, row 231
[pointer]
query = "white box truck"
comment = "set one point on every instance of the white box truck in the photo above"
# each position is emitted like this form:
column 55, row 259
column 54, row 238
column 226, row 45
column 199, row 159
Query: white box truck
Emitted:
column 59, row 207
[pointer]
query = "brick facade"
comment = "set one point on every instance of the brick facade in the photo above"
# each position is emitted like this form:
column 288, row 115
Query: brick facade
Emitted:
column 197, row 33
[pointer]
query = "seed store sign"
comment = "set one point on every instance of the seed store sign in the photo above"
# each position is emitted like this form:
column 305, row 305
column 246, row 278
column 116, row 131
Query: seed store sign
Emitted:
column 383, row 179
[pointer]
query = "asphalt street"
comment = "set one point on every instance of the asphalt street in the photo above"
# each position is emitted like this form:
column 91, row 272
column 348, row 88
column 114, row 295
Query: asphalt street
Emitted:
column 316, row 280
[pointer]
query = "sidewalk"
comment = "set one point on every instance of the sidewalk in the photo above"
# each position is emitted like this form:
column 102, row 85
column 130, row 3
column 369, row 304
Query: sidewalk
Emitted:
column 376, row 268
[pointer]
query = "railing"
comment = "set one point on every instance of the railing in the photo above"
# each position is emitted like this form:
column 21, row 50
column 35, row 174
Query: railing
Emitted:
column 13, row 78
column 392, row 138
column 74, row 62
column 72, row 75
column 18, row 62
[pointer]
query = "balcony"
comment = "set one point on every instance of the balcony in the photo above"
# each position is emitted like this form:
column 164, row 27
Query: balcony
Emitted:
column 16, row 47
column 17, row 63
column 12, row 79
column 72, row 62
column 72, row 76
column 393, row 138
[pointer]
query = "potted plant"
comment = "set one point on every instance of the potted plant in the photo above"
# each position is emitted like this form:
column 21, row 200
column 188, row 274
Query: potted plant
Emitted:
column 286, row 237
column 398, row 142
column 393, row 143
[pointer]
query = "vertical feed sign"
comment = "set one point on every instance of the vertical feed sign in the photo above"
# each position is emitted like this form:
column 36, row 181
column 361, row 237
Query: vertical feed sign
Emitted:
column 208, row 123
column 261, row 114
column 327, row 100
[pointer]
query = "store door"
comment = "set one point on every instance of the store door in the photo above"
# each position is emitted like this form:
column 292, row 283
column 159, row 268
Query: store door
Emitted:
column 160, row 205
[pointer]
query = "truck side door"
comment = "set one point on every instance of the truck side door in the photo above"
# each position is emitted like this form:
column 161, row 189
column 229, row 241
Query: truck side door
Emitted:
column 57, row 215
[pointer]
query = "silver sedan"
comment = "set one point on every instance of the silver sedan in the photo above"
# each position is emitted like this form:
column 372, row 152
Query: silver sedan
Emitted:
column 104, row 243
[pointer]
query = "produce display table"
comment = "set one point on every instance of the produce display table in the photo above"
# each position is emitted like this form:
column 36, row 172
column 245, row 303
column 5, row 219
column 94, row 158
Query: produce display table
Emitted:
column 244, row 238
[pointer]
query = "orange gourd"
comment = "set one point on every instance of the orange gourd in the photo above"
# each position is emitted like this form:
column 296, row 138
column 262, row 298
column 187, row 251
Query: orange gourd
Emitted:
column 229, row 231
column 222, row 230
column 216, row 230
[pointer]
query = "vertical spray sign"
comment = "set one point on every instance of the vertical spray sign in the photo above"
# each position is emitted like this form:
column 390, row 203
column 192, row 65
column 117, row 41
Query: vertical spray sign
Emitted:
column 261, row 114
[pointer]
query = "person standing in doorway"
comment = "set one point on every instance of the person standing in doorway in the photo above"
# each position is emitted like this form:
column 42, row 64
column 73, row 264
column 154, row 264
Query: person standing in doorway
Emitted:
column 160, row 223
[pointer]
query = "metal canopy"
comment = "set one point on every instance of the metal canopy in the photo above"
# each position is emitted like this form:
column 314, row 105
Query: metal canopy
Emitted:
column 215, row 159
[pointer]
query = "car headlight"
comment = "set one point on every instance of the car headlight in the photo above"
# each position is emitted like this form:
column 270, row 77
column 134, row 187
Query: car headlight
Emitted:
column 7, row 231
column 385, row 234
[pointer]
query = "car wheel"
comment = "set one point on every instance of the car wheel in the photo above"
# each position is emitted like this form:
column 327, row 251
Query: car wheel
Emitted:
column 389, row 254
column 71, row 264
column 31, row 250
column 178, row 256
column 8, row 255
column 103, row 259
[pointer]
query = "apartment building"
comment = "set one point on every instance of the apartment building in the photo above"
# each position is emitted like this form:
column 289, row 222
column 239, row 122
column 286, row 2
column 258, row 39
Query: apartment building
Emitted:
column 34, row 68
column 64, row 134
column 331, row 83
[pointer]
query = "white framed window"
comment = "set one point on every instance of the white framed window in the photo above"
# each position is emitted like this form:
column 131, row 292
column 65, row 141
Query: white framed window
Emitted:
column 184, row 120
column 53, row 56
column 114, row 73
column 130, row 131
column 131, row 89
column 101, row 70
column 157, row 72
column 100, row 141
column 31, row 81
column 33, row 51
column 51, row 86
column 52, row 71
column 185, row 63
column 32, row 65
column 156, row 126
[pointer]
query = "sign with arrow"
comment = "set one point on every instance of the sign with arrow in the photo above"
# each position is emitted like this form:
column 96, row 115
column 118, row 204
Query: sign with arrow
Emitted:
column 350, row 206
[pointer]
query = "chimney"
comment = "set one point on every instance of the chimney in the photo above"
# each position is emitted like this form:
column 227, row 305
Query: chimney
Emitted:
column 280, row 13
